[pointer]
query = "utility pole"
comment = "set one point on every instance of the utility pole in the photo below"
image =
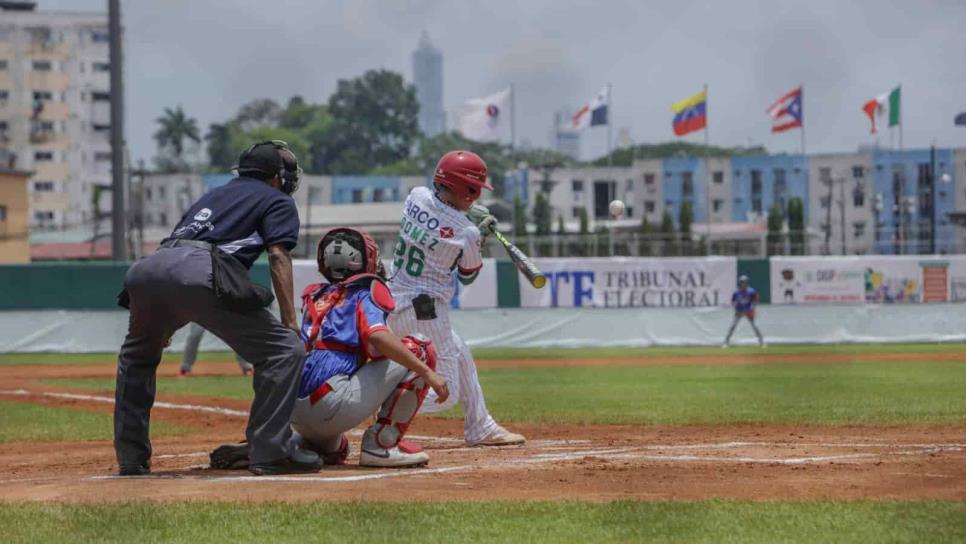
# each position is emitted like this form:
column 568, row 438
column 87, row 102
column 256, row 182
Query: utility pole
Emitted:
column 828, row 218
column 932, row 197
column 118, row 185
column 841, row 182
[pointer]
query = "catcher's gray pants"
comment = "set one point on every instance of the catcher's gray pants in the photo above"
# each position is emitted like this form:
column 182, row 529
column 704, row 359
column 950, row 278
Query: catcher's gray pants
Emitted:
column 191, row 344
column 352, row 399
column 169, row 289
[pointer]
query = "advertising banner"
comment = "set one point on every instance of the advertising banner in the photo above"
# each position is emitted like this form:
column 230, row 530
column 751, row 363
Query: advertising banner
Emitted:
column 904, row 279
column 632, row 282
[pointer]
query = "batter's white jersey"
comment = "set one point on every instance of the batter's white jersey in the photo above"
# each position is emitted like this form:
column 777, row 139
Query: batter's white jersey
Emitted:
column 435, row 239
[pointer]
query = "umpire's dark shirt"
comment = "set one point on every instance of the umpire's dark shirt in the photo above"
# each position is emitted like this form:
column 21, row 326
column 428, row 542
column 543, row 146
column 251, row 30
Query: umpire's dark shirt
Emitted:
column 242, row 217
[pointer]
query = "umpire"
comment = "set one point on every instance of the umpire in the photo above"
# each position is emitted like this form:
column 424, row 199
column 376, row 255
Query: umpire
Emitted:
column 200, row 274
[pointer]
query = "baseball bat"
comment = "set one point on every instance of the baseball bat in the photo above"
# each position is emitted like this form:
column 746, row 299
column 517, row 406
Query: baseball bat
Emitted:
column 522, row 262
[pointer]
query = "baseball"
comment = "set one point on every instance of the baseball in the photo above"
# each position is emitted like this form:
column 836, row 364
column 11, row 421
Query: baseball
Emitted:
column 617, row 208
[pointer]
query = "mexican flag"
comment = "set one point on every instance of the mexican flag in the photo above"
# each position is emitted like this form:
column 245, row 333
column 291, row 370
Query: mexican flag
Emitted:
column 886, row 104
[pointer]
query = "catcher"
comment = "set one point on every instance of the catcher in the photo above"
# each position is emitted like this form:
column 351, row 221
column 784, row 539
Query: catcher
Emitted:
column 354, row 364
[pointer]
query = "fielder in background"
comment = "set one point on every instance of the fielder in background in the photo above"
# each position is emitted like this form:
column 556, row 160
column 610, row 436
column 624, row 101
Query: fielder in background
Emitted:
column 442, row 232
column 191, row 344
column 744, row 300
column 354, row 364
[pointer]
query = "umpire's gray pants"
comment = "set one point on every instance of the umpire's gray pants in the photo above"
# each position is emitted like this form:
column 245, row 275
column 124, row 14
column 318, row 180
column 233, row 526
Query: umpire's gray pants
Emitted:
column 352, row 399
column 169, row 289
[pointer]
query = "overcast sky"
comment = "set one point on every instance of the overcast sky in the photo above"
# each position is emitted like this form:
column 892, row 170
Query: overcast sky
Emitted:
column 212, row 56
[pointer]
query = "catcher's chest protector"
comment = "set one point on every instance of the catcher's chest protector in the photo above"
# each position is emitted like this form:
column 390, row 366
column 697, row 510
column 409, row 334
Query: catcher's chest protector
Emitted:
column 319, row 304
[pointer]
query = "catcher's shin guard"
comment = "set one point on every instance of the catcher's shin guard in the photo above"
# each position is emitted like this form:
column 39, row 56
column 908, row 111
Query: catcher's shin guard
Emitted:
column 402, row 405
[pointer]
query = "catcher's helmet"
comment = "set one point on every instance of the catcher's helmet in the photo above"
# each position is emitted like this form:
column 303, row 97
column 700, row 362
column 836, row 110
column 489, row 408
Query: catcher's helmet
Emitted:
column 463, row 173
column 742, row 279
column 345, row 252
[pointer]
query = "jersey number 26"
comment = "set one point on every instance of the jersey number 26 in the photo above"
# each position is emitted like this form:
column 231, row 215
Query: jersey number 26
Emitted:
column 415, row 258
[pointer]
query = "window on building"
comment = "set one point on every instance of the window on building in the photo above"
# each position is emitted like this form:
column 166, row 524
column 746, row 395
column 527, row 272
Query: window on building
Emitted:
column 41, row 156
column 4, row 126
column 823, row 201
column 163, row 218
column 858, row 229
column 147, row 193
column 41, row 66
column 378, row 194
column 3, row 213
column 577, row 185
column 575, row 212
column 629, row 185
column 356, row 196
column 717, row 204
column 103, row 156
column 629, row 212
column 858, row 196
column 825, row 175
column 756, row 205
column 648, row 179
column 649, row 206
column 756, row 183
column 4, row 94
column 44, row 215
column 100, row 128
column 780, row 188
column 101, row 96
column 718, row 176
column 101, row 66
column 687, row 184
column 43, row 186
column 43, row 95
column 3, row 64
column 162, row 191
column 100, row 36
column 858, row 172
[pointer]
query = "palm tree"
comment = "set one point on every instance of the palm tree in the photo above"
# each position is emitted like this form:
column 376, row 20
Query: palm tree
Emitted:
column 175, row 128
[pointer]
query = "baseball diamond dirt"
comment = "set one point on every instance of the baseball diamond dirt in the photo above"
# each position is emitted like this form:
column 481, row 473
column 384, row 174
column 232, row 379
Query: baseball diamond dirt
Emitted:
column 560, row 461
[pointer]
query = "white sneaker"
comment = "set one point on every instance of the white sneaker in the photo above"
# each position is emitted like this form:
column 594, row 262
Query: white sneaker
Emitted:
column 499, row 437
column 405, row 454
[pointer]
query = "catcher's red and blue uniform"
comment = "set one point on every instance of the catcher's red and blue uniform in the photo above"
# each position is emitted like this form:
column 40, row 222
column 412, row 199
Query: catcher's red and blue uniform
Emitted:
column 340, row 343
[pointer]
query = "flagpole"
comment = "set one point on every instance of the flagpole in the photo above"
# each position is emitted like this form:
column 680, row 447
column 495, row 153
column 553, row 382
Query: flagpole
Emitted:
column 513, row 118
column 801, row 112
column 707, row 172
column 900, row 116
column 610, row 126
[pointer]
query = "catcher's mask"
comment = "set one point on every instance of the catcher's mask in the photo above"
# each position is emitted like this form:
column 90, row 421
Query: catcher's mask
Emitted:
column 344, row 252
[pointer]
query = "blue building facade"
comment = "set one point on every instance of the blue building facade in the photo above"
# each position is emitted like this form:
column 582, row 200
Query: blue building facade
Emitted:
column 759, row 182
column 909, row 201
column 684, row 181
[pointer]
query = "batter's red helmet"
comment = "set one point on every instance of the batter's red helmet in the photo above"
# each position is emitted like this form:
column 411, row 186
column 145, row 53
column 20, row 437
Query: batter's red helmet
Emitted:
column 463, row 173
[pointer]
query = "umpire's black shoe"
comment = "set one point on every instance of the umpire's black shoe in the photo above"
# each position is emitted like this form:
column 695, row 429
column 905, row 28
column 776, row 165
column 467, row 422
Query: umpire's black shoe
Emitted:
column 299, row 462
column 135, row 470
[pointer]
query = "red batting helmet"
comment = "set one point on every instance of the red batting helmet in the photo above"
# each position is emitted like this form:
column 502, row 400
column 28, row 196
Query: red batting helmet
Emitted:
column 463, row 173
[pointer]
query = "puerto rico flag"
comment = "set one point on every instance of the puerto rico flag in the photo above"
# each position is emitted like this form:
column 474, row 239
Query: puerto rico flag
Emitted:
column 594, row 113
column 690, row 114
column 786, row 112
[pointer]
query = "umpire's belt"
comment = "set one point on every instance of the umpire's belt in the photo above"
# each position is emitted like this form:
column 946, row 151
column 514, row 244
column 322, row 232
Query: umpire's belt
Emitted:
column 176, row 242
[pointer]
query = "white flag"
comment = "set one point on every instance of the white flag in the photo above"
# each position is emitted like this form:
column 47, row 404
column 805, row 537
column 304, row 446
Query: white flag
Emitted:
column 486, row 119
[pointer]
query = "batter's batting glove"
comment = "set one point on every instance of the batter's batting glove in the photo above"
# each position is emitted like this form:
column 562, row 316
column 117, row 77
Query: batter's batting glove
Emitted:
column 483, row 219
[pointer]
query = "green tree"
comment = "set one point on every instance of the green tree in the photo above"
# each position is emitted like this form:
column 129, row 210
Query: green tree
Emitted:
column 667, row 234
column 796, row 226
column 775, row 240
column 542, row 218
column 259, row 113
column 374, row 123
column 644, row 240
column 221, row 141
column 685, row 219
column 175, row 130
column 519, row 217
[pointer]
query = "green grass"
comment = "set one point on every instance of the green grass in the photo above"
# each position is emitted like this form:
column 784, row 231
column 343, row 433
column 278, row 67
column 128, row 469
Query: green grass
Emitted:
column 623, row 521
column 824, row 394
column 30, row 422
column 538, row 353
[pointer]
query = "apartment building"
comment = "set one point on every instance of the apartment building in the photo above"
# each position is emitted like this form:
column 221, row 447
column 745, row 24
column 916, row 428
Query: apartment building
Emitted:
column 55, row 108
